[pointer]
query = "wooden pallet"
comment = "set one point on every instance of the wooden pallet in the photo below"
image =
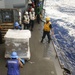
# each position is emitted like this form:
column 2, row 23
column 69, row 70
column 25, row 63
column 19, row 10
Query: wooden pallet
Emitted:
column 5, row 27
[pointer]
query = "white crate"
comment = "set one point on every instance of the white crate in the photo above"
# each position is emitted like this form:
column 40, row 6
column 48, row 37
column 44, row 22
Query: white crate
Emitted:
column 17, row 40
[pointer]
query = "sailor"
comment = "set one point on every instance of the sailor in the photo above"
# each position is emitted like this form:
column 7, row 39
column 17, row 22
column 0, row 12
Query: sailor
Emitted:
column 46, row 30
column 26, row 20
column 17, row 26
column 13, row 65
column 32, row 18
column 38, row 12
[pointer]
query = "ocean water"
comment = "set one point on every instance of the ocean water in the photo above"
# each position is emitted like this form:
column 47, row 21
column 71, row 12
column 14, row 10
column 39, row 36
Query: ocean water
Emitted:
column 62, row 14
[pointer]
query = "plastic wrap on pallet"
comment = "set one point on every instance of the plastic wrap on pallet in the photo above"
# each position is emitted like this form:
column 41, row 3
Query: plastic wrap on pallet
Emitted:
column 17, row 40
column 21, row 53
column 16, row 46
column 17, row 35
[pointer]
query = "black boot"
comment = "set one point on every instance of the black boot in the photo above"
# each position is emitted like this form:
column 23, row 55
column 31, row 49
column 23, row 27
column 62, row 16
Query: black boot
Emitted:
column 41, row 40
column 48, row 41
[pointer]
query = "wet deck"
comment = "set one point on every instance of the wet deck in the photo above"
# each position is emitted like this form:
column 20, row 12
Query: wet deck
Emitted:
column 43, row 60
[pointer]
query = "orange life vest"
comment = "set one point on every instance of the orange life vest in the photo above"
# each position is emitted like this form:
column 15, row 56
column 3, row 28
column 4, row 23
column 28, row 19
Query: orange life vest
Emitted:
column 47, row 26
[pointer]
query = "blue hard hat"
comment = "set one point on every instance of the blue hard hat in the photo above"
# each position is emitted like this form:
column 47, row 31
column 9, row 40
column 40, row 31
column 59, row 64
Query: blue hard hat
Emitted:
column 14, row 55
column 16, row 24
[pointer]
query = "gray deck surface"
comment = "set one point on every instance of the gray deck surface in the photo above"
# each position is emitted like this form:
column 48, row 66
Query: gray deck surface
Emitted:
column 42, row 62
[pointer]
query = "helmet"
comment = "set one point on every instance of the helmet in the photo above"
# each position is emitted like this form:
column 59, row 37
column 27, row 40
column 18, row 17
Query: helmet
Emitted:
column 16, row 24
column 26, row 13
column 47, row 18
column 14, row 55
column 29, row 1
column 32, row 9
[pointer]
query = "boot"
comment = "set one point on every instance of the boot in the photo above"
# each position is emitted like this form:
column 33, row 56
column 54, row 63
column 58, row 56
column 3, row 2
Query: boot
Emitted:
column 41, row 40
column 48, row 41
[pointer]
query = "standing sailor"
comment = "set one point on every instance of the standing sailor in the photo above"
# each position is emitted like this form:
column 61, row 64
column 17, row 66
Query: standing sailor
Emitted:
column 32, row 18
column 46, row 30
column 26, row 20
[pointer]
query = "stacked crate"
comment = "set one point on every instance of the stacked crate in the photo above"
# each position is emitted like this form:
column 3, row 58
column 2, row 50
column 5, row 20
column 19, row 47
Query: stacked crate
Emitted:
column 17, row 40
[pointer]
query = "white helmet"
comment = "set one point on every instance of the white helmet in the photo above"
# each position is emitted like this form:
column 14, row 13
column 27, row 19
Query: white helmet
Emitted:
column 26, row 13
column 32, row 9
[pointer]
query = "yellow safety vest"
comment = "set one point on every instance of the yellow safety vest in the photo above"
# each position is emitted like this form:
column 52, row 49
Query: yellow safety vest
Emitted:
column 46, row 26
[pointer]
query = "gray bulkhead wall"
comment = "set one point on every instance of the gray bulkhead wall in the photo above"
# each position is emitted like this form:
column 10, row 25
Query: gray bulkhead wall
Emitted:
column 2, row 4
column 11, row 3
column 21, row 4
column 8, row 3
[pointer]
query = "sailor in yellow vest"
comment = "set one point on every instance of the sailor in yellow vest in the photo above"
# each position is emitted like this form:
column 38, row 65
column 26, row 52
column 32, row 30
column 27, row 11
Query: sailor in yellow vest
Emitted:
column 46, row 29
